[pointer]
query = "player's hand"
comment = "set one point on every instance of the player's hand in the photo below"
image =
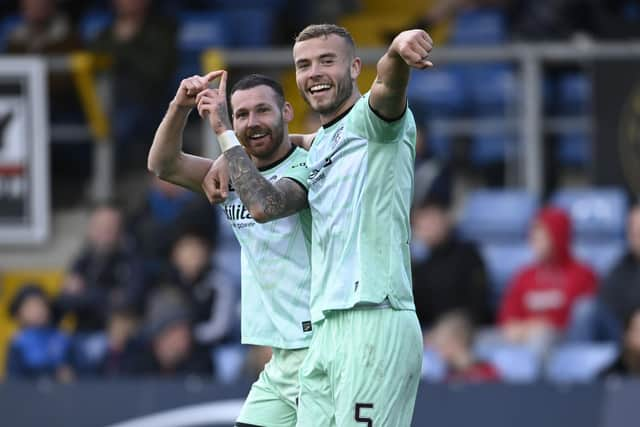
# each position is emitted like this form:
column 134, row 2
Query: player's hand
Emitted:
column 303, row 141
column 216, row 182
column 413, row 46
column 212, row 104
column 191, row 87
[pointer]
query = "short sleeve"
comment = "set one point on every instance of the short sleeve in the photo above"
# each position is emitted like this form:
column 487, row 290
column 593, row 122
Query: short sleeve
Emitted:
column 368, row 123
column 297, row 169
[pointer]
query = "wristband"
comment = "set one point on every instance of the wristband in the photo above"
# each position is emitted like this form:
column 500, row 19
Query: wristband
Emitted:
column 227, row 140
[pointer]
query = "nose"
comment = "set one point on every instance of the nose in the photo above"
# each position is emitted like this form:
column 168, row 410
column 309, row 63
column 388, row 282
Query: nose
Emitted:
column 253, row 119
column 314, row 69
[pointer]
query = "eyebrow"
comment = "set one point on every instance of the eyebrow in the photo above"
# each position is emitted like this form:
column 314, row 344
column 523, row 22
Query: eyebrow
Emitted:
column 326, row 55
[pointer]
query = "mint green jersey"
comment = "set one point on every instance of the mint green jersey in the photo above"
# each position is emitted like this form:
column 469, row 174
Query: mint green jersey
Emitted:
column 360, row 189
column 275, row 267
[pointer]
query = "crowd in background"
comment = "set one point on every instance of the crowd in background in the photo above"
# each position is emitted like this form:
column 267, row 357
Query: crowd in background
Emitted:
column 155, row 291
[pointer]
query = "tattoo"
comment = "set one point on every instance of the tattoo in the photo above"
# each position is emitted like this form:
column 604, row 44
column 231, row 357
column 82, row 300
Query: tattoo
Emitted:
column 265, row 200
column 221, row 119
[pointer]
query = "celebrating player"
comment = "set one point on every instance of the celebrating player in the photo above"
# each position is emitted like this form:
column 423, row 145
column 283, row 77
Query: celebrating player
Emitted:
column 275, row 257
column 364, row 362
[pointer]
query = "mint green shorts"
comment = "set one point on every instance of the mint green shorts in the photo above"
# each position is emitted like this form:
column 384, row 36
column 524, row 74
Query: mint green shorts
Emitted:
column 272, row 399
column 362, row 370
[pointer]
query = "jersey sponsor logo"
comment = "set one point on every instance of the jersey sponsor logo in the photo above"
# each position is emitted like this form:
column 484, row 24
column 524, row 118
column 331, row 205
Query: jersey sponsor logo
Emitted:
column 338, row 137
column 299, row 165
column 236, row 212
column 306, row 326
column 318, row 174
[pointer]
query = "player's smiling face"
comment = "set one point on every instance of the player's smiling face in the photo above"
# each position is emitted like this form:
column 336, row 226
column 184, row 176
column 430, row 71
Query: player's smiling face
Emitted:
column 259, row 121
column 325, row 72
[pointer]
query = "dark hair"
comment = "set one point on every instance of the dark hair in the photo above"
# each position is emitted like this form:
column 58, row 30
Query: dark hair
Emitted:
column 325, row 30
column 27, row 290
column 253, row 80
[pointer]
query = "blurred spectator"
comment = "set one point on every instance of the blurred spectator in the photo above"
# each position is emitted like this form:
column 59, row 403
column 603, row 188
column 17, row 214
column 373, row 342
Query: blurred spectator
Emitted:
column 170, row 347
column 214, row 303
column 110, row 352
column 628, row 364
column 106, row 273
column 452, row 338
column 166, row 211
column 38, row 349
column 144, row 52
column 451, row 275
column 433, row 176
column 620, row 292
column 45, row 30
column 538, row 302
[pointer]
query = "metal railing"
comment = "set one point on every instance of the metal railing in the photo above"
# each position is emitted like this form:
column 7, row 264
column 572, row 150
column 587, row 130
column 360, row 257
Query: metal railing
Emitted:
column 530, row 59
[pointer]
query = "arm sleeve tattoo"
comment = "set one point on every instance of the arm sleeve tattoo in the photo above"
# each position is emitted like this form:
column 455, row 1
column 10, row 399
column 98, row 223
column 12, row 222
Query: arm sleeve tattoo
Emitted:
column 265, row 200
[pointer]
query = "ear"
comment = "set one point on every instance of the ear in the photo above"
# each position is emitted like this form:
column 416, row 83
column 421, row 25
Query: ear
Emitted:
column 287, row 112
column 356, row 67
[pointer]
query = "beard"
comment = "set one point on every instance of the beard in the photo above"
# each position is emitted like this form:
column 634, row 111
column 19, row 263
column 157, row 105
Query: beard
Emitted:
column 344, row 88
column 276, row 132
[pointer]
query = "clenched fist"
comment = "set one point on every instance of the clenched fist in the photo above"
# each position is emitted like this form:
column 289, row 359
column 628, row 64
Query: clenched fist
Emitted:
column 413, row 46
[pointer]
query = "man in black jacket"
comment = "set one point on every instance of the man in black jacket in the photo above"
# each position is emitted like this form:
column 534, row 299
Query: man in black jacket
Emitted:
column 621, row 291
column 452, row 275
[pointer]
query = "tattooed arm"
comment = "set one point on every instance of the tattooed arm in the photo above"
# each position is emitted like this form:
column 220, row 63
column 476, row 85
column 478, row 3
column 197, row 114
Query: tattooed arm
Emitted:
column 265, row 200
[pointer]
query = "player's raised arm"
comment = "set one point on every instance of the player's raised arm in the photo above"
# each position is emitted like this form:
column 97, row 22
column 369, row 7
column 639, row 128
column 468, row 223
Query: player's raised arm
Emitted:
column 409, row 49
column 166, row 158
column 265, row 200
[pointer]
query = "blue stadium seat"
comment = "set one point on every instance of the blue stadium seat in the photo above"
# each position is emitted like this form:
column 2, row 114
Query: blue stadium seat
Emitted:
column 433, row 367
column 200, row 31
column 601, row 256
column 490, row 146
column 479, row 27
column 228, row 360
column 573, row 149
column 438, row 92
column 579, row 362
column 244, row 4
column 7, row 25
column 503, row 261
column 492, row 87
column 498, row 216
column 93, row 22
column 250, row 27
column 597, row 214
column 197, row 32
column 516, row 364
column 573, row 93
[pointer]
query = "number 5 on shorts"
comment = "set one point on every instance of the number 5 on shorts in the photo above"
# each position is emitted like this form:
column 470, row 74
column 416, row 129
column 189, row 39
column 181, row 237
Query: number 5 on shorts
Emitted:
column 359, row 417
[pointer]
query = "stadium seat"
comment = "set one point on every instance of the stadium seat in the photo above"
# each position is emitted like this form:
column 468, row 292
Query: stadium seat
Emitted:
column 573, row 149
column 249, row 27
column 439, row 143
column 433, row 368
column 7, row 25
column 479, row 27
column 491, row 146
column 92, row 23
column 503, row 261
column 492, row 88
column 598, row 214
column 88, row 351
column 516, row 364
column 601, row 256
column 579, row 362
column 497, row 216
column 438, row 92
column 199, row 31
column 228, row 360
column 573, row 93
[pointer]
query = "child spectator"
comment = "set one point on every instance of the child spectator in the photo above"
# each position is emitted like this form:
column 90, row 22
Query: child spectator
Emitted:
column 452, row 338
column 38, row 349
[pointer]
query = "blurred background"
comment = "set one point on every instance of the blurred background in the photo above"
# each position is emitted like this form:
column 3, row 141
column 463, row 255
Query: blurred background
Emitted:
column 119, row 293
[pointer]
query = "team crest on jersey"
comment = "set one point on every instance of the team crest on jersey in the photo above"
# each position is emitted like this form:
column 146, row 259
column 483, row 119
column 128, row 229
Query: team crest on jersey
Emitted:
column 337, row 137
